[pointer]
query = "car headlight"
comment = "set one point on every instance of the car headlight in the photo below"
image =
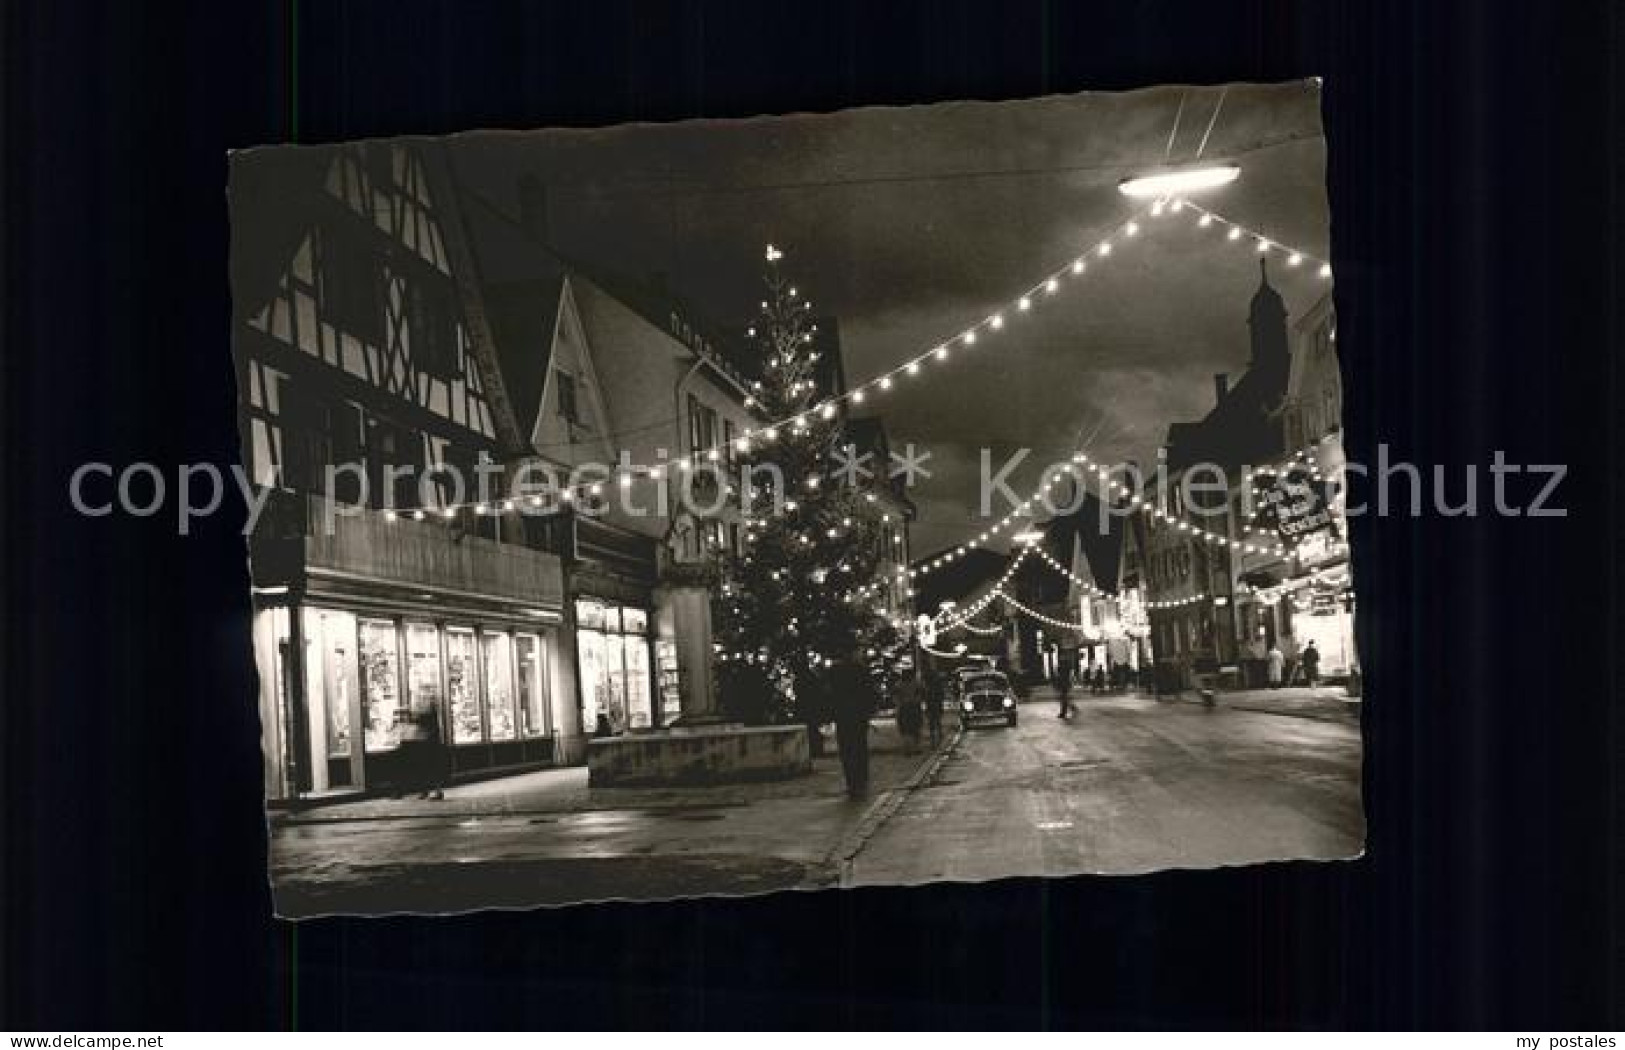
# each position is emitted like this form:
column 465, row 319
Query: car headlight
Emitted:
column 1009, row 701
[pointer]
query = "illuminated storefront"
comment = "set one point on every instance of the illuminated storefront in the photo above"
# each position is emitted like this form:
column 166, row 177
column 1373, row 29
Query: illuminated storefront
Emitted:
column 343, row 682
column 613, row 646
column 1309, row 595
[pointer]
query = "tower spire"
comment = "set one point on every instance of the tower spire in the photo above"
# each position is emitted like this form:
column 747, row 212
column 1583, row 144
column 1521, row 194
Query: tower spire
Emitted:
column 1267, row 319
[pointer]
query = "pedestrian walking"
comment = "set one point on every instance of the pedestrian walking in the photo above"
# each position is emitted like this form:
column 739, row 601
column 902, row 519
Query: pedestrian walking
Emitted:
column 1276, row 661
column 1311, row 664
column 1063, row 685
column 910, row 709
column 1098, row 682
column 423, row 754
column 851, row 697
column 933, row 708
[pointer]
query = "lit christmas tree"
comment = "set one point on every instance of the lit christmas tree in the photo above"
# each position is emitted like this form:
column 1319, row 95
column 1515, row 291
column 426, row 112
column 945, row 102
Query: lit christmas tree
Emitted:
column 788, row 609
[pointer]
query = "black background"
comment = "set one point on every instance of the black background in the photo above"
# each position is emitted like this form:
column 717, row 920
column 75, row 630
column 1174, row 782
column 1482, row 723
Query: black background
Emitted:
column 1473, row 166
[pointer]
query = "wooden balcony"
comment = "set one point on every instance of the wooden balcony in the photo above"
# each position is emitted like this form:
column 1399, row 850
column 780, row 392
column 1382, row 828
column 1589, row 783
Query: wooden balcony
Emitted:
column 302, row 545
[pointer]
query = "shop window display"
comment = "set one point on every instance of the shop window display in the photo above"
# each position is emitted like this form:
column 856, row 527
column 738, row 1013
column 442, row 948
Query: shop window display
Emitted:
column 532, row 690
column 462, row 687
column 423, row 666
column 496, row 651
column 380, row 685
column 332, row 678
column 639, row 697
column 330, row 692
column 614, row 655
column 602, row 680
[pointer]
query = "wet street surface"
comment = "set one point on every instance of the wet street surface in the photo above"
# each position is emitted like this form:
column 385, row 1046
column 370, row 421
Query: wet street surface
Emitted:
column 548, row 839
column 1129, row 784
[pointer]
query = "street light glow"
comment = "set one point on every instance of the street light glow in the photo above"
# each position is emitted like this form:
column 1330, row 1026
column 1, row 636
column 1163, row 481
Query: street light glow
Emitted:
column 1174, row 183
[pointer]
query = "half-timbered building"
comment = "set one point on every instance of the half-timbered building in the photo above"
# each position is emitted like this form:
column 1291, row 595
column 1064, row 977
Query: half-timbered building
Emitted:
column 365, row 368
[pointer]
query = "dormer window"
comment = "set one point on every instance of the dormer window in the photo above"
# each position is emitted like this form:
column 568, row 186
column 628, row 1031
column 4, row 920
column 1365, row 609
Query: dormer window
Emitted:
column 569, row 406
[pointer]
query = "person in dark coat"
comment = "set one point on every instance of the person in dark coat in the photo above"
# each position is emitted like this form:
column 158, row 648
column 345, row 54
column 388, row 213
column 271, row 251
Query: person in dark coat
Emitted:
column 1311, row 664
column 910, row 709
column 851, row 698
column 423, row 754
column 933, row 707
column 1063, row 683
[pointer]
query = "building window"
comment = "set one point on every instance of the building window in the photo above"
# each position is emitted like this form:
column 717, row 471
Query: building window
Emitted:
column 390, row 445
column 613, row 647
column 702, row 425
column 569, row 408
column 432, row 322
column 423, row 667
column 380, row 684
column 532, row 685
column 346, row 440
column 351, row 289
column 462, row 689
column 330, row 678
column 496, row 651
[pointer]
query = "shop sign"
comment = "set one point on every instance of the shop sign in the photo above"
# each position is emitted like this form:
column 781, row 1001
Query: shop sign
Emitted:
column 1315, row 547
column 1295, row 505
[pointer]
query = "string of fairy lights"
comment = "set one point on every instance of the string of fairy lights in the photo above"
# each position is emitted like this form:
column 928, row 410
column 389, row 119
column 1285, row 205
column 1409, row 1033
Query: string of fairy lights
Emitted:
column 1154, row 508
column 1021, row 512
column 1088, row 587
column 1306, row 459
column 942, row 352
column 1331, row 576
column 1044, row 618
column 951, row 620
column 960, row 344
column 947, row 620
column 1303, row 458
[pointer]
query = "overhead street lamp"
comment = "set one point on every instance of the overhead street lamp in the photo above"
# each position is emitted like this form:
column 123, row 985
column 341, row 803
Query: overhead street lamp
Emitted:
column 1164, row 184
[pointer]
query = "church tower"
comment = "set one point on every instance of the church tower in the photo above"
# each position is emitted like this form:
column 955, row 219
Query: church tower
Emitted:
column 1267, row 319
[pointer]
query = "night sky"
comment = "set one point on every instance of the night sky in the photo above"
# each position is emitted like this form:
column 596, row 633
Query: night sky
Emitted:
column 908, row 224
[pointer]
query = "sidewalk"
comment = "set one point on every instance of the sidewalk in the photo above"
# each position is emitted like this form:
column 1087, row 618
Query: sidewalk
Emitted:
column 546, row 838
column 565, row 790
column 1327, row 702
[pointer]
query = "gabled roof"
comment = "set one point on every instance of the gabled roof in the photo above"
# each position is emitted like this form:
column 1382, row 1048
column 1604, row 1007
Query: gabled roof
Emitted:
column 273, row 199
column 661, row 308
column 1243, row 428
column 523, row 288
column 1103, row 547
column 868, row 434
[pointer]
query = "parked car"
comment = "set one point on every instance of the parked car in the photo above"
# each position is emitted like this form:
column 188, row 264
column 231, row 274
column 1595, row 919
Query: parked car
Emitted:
column 978, row 665
column 986, row 696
